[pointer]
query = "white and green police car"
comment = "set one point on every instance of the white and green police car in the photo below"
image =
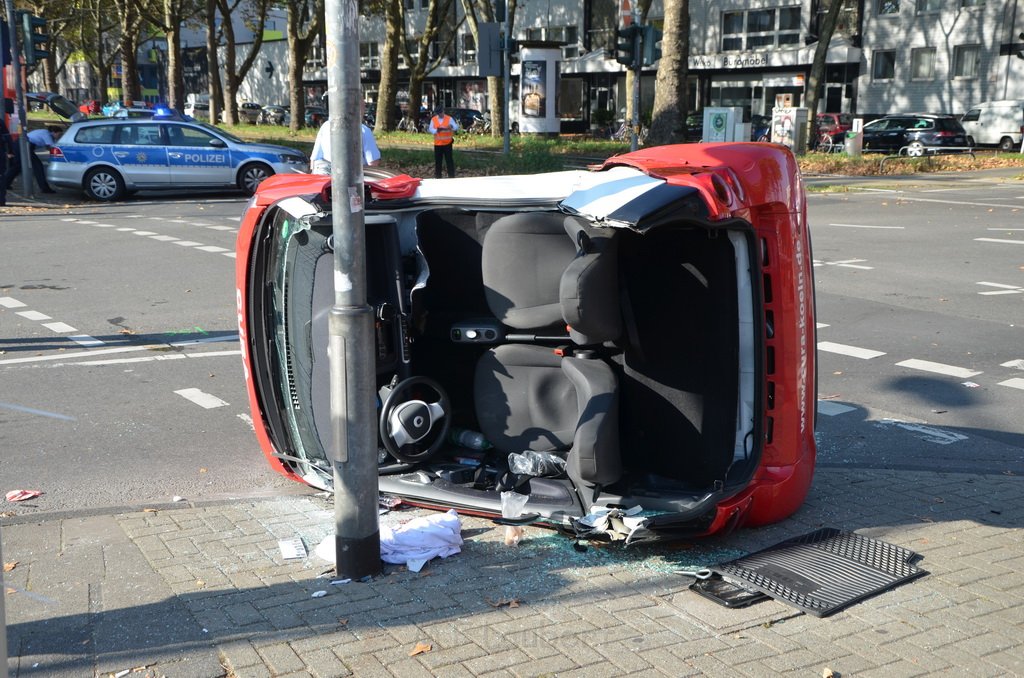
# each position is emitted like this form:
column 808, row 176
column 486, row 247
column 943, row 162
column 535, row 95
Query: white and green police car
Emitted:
column 109, row 158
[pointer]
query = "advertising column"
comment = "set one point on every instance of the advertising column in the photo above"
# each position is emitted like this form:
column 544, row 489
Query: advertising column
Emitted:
column 538, row 89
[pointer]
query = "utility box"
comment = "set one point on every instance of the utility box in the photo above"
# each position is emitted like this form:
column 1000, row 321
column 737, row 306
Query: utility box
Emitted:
column 789, row 128
column 855, row 139
column 723, row 124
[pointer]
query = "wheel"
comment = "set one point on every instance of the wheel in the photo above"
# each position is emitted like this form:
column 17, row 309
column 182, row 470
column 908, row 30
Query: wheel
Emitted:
column 411, row 428
column 915, row 149
column 252, row 175
column 1006, row 145
column 970, row 141
column 515, row 128
column 103, row 184
column 825, row 144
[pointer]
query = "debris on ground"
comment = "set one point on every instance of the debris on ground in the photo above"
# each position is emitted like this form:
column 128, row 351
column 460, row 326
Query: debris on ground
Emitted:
column 421, row 648
column 22, row 495
column 292, row 548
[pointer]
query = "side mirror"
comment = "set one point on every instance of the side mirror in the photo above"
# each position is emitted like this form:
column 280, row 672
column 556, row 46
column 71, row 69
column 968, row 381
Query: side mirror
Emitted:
column 217, row 143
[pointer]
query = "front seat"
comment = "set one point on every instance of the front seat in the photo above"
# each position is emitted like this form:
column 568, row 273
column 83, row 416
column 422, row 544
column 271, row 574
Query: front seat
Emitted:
column 546, row 273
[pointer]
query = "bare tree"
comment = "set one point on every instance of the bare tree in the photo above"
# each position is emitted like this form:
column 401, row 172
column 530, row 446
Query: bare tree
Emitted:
column 255, row 19
column 668, row 119
column 131, row 22
column 96, row 36
column 213, row 36
column 826, row 28
column 420, row 64
column 394, row 42
column 169, row 17
column 305, row 23
column 478, row 11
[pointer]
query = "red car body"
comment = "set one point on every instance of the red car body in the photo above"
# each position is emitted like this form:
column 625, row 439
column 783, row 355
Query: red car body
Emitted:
column 751, row 193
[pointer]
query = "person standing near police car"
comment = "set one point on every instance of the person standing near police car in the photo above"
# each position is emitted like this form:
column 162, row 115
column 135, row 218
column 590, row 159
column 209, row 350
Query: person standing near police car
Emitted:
column 37, row 139
column 443, row 127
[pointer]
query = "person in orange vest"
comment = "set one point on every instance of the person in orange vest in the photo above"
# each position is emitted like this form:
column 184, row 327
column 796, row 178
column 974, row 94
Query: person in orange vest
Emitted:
column 443, row 127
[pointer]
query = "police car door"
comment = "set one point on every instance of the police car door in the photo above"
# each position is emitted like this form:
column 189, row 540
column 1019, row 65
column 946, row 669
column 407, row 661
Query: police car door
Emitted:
column 141, row 154
column 197, row 158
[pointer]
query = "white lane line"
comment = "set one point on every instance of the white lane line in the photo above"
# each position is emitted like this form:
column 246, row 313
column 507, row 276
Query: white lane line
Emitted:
column 1000, row 240
column 220, row 228
column 846, row 263
column 957, row 202
column 105, row 225
column 938, row 368
column 852, row 351
column 187, row 243
column 86, row 340
column 11, row 302
column 144, row 233
column 60, row 327
column 212, row 248
column 1018, row 364
column 126, row 229
column 820, row 325
column 33, row 315
column 83, row 221
column 157, row 358
column 1003, row 289
column 69, row 219
column 831, row 409
column 31, row 410
column 204, row 400
column 112, row 351
column 898, row 228
column 1011, row 230
column 1016, row 382
column 229, row 254
column 164, row 238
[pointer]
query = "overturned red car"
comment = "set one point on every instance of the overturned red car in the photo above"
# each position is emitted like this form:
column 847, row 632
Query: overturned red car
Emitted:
column 636, row 335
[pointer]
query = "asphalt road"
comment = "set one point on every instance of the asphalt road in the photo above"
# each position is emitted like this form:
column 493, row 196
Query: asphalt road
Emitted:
column 122, row 381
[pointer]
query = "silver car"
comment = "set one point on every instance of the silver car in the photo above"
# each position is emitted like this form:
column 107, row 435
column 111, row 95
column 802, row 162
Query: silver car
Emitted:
column 109, row 158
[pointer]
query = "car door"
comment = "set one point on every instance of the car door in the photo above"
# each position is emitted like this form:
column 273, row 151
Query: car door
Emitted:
column 141, row 154
column 197, row 157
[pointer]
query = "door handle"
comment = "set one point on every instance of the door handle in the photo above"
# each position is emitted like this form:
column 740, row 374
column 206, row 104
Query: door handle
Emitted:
column 174, row 155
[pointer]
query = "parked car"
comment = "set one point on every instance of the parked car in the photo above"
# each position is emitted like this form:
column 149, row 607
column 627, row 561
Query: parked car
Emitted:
column 56, row 103
column 90, row 107
column 695, row 126
column 108, row 158
column 834, row 123
column 275, row 115
column 198, row 110
column 637, row 335
column 249, row 111
column 316, row 116
column 995, row 123
column 918, row 133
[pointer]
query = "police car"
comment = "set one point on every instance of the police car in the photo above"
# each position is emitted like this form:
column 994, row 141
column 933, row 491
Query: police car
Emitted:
column 108, row 159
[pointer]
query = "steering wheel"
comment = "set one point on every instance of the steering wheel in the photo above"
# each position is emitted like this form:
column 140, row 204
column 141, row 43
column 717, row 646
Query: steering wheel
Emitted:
column 407, row 424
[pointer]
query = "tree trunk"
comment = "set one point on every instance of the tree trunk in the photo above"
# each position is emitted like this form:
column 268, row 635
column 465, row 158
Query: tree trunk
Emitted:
column 175, row 80
column 312, row 14
column 668, row 119
column 213, row 87
column 817, row 74
column 387, row 93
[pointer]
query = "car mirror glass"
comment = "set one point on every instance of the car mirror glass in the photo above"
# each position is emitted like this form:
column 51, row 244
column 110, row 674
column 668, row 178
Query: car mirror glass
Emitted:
column 217, row 143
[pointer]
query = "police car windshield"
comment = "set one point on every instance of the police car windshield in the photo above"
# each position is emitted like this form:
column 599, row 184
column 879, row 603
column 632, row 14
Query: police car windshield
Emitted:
column 219, row 131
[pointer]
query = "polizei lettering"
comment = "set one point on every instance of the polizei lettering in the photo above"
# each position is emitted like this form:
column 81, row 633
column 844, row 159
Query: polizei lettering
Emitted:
column 205, row 158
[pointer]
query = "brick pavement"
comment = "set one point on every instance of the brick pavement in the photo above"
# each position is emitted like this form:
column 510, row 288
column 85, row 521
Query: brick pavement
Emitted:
column 203, row 591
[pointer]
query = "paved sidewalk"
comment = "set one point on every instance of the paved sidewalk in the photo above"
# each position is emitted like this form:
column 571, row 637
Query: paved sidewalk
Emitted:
column 203, row 591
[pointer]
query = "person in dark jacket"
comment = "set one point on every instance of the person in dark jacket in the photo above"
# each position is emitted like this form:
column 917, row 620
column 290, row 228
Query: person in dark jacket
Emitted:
column 6, row 148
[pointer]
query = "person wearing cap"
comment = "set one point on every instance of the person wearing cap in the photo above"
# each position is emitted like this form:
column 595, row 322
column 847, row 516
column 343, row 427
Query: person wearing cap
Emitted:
column 443, row 127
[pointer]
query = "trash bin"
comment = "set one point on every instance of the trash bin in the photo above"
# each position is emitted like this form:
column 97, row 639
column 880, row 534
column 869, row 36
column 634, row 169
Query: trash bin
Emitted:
column 854, row 143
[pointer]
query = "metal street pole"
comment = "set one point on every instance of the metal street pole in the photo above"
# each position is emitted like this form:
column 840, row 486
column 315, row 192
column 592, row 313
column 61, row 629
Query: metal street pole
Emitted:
column 3, row 621
column 19, row 102
column 350, row 356
column 506, row 66
column 637, row 69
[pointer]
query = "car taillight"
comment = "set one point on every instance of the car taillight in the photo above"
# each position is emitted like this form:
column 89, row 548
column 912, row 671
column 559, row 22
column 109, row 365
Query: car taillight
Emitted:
column 946, row 134
column 56, row 152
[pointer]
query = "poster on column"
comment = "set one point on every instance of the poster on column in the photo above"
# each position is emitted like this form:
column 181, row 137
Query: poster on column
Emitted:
column 534, row 81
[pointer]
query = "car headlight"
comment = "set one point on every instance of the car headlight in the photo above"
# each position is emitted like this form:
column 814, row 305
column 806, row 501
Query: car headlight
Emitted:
column 292, row 159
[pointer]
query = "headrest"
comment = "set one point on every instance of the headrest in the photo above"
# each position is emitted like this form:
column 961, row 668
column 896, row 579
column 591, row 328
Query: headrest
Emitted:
column 589, row 289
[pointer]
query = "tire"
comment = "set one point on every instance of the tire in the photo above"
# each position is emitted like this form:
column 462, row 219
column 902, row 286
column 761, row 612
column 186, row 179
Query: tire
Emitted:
column 252, row 175
column 915, row 149
column 1006, row 145
column 103, row 184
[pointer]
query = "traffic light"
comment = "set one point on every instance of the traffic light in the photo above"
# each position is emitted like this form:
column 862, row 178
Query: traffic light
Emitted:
column 1020, row 53
column 32, row 39
column 652, row 45
column 626, row 46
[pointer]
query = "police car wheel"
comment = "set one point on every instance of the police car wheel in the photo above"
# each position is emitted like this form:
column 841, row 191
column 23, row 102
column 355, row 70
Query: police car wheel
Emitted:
column 252, row 176
column 104, row 185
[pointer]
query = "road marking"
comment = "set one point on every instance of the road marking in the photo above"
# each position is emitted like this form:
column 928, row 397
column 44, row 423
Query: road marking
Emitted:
column 157, row 358
column 164, row 238
column 187, row 243
column 1005, row 229
column 219, row 228
column 869, row 226
column 232, row 255
column 83, row 221
column 11, row 302
column 120, row 349
column 1018, row 364
column 86, row 340
column 212, row 248
column 31, row 410
column 927, row 433
column 1000, row 240
column 204, row 400
column 33, row 315
column 1003, row 289
column 831, row 409
column 105, row 225
column 938, row 368
column 846, row 263
column 958, row 202
column 144, row 233
column 1016, row 382
column 60, row 327
column 125, row 229
column 852, row 351
column 821, row 325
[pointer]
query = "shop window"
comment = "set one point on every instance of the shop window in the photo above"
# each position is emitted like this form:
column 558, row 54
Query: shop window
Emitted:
column 928, row 6
column 922, row 63
column 883, row 65
column 570, row 36
column 884, row 7
column 966, row 59
column 369, row 55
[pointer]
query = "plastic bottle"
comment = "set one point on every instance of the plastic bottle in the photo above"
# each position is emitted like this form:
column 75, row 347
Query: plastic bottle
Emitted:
column 473, row 440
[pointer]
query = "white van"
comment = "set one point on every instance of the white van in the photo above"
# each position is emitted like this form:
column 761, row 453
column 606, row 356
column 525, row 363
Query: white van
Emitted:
column 996, row 123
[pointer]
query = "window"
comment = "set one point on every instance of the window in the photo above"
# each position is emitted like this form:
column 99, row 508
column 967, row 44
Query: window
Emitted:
column 971, row 115
column 101, row 134
column 141, row 135
column 884, row 65
column 922, row 63
column 468, row 49
column 888, row 7
column 570, row 36
column 760, row 28
column 179, row 135
column 966, row 59
column 972, row 3
column 369, row 55
column 926, row 6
